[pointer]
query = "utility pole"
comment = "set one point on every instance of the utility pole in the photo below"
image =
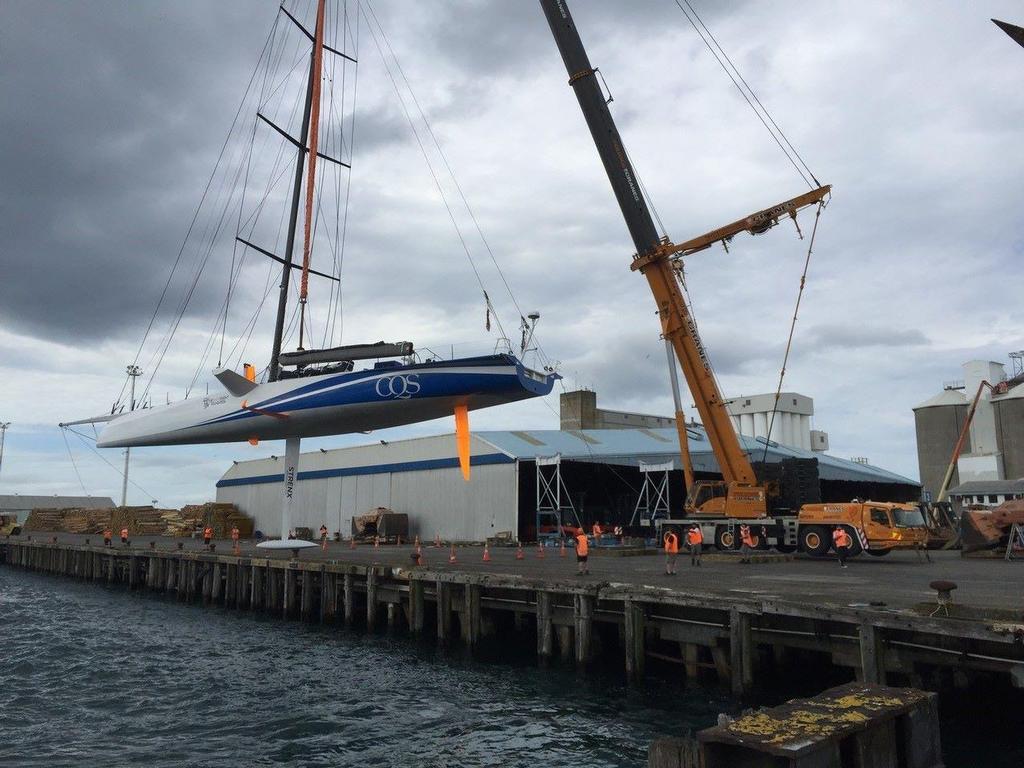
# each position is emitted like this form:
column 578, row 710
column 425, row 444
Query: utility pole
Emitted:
column 3, row 433
column 133, row 373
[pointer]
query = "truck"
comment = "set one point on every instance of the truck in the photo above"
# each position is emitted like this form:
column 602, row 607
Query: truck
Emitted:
column 719, row 507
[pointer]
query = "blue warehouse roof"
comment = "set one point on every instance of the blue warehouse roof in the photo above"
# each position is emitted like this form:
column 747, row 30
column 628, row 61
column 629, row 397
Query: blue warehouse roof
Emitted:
column 631, row 446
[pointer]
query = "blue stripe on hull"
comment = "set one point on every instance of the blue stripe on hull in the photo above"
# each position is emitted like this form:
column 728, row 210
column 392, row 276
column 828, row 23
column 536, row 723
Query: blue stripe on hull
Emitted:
column 373, row 469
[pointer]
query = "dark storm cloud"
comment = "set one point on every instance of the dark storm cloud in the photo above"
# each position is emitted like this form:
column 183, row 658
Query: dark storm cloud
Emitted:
column 105, row 118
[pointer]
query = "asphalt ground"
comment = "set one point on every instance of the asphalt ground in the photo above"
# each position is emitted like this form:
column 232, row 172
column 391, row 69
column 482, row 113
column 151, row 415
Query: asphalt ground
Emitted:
column 899, row 580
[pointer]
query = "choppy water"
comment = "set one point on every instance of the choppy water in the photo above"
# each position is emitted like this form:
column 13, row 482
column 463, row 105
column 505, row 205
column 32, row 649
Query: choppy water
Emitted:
column 93, row 676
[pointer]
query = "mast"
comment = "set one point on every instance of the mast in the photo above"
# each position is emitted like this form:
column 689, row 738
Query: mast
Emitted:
column 314, row 134
column 282, row 300
column 652, row 253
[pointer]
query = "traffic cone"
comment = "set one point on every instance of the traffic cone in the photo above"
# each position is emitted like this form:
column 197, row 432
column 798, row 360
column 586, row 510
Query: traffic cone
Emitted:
column 540, row 551
column 487, row 554
column 451, row 557
column 437, row 540
column 561, row 549
column 520, row 555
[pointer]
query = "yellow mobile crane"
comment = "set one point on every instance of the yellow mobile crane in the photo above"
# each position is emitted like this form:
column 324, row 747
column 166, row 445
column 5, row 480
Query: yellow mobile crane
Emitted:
column 718, row 506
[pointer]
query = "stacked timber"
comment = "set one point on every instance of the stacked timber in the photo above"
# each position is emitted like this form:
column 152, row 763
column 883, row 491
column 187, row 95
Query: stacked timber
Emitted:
column 68, row 520
column 219, row 516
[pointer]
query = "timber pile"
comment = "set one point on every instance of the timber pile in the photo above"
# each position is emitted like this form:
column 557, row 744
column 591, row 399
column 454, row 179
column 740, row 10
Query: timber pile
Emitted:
column 143, row 521
column 221, row 517
column 68, row 520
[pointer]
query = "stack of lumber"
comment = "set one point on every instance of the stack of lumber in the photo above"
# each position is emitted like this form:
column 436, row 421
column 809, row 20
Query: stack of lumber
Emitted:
column 68, row 520
column 144, row 521
column 221, row 517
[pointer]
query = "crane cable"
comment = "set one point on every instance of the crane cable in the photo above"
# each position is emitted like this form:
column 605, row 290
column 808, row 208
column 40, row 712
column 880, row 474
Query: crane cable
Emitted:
column 776, row 134
column 792, row 327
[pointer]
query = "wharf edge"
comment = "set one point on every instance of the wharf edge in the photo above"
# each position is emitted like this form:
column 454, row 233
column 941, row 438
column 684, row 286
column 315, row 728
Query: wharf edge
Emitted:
column 730, row 637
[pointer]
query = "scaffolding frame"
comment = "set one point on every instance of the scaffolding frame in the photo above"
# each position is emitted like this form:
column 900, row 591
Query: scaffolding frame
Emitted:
column 653, row 501
column 553, row 500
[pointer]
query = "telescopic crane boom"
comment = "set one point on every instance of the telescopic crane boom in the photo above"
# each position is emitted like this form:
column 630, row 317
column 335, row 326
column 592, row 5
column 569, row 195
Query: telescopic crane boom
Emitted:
column 739, row 495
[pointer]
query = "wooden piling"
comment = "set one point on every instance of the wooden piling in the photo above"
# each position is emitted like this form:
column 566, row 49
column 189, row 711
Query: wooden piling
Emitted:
column 416, row 606
column 583, row 614
column 471, row 614
column 306, row 604
column 544, row 627
column 348, row 597
column 741, row 652
column 257, row 588
column 288, row 598
column 371, row 598
column 230, row 584
column 217, row 583
column 872, row 659
column 444, row 611
column 244, row 586
column 634, row 639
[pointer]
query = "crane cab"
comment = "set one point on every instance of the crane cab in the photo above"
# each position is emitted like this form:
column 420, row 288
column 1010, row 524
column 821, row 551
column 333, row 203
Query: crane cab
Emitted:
column 720, row 499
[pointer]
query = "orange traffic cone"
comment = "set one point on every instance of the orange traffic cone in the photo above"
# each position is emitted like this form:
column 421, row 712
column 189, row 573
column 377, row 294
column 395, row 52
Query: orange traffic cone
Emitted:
column 520, row 555
column 352, row 543
column 487, row 554
column 561, row 549
column 540, row 551
column 437, row 540
column 451, row 557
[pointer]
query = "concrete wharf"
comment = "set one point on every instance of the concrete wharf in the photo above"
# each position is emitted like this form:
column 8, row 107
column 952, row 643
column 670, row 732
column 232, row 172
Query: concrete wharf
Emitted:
column 722, row 619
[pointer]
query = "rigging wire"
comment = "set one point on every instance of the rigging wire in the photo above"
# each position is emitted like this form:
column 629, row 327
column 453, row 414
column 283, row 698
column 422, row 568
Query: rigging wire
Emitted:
column 743, row 93
column 63, row 433
column 85, row 440
column 426, row 157
column 792, row 327
column 195, row 215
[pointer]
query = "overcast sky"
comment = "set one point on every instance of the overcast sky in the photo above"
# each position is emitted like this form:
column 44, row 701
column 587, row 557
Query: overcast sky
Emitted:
column 112, row 116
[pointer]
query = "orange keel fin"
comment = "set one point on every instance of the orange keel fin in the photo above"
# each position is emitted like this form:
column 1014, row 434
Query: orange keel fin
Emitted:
column 462, row 438
column 250, row 372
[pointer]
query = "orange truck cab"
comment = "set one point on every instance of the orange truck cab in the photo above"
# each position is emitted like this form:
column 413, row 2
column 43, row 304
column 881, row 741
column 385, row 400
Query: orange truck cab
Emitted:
column 885, row 526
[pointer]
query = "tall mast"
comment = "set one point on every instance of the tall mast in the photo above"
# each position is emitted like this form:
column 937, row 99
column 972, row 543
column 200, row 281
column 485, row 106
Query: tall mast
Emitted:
column 282, row 300
column 314, row 133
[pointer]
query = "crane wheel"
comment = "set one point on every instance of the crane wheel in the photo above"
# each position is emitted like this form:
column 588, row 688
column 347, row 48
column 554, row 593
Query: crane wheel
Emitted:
column 726, row 539
column 878, row 552
column 815, row 541
column 785, row 548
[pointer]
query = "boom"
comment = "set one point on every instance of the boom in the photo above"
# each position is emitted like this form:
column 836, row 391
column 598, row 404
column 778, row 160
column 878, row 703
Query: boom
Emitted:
column 653, row 253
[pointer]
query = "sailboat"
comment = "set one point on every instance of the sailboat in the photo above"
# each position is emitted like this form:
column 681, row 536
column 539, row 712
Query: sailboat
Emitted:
column 318, row 392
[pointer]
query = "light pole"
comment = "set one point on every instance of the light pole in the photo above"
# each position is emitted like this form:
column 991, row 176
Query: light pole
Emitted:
column 3, row 433
column 133, row 373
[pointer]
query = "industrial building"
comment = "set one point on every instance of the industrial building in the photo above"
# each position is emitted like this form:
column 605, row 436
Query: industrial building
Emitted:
column 751, row 416
column 17, row 504
column 596, row 473
column 993, row 448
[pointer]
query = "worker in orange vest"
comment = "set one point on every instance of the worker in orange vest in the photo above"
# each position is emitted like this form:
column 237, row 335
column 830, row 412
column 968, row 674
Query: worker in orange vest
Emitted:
column 695, row 540
column 746, row 543
column 671, row 552
column 323, row 537
column 235, row 533
column 124, row 536
column 582, row 552
column 841, row 541
column 596, row 529
column 107, row 536
column 207, row 535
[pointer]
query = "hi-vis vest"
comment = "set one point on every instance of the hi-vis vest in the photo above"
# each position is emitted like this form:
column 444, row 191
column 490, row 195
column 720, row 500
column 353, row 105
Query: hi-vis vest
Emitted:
column 671, row 543
column 582, row 545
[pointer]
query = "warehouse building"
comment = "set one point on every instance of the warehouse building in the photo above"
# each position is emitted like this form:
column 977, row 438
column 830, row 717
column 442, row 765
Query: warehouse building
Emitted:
column 599, row 477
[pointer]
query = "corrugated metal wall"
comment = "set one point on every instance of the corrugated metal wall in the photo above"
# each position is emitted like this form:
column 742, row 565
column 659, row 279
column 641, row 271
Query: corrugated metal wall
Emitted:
column 438, row 501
